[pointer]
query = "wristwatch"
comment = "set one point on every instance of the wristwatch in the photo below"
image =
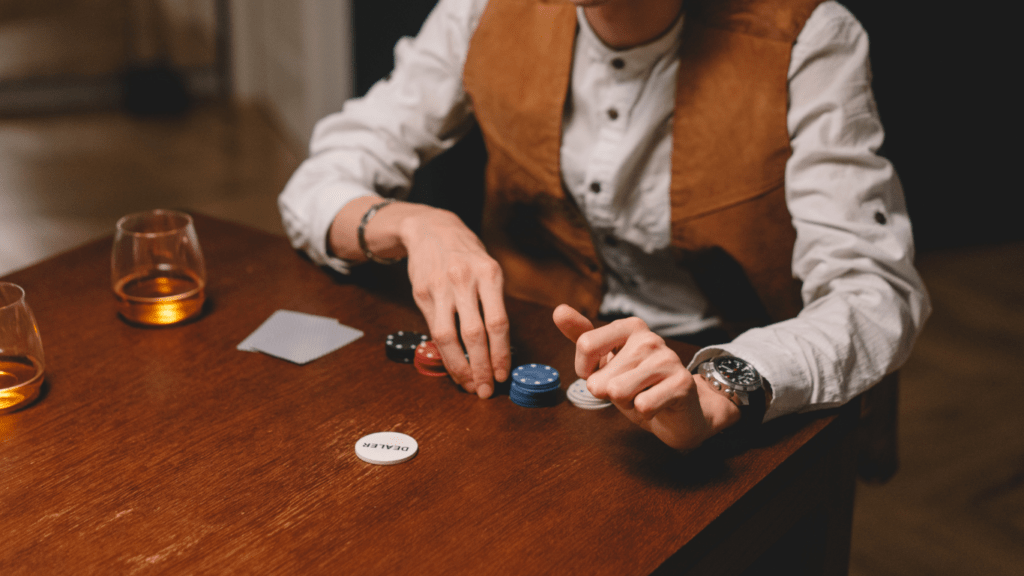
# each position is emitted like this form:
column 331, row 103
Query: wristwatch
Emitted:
column 741, row 383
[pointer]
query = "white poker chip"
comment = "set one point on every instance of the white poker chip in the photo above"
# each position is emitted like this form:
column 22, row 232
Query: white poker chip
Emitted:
column 385, row 448
column 589, row 405
column 582, row 398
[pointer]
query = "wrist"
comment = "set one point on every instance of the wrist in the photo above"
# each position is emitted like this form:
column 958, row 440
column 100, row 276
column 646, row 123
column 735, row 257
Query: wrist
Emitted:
column 361, row 234
column 720, row 412
column 739, row 382
column 415, row 223
column 381, row 234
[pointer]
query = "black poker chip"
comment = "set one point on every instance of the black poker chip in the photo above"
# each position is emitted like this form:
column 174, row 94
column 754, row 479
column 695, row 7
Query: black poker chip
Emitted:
column 401, row 346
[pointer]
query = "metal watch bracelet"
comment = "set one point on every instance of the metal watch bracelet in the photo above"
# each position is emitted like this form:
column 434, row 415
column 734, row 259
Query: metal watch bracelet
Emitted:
column 752, row 402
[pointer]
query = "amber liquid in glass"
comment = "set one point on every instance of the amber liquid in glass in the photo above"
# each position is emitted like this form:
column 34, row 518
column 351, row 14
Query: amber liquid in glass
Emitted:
column 20, row 380
column 160, row 297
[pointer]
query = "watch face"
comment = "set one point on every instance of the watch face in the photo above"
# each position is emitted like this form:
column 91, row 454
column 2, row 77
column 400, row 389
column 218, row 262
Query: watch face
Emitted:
column 739, row 372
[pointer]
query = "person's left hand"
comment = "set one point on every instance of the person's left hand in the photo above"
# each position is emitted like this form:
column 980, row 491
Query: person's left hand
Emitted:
column 632, row 367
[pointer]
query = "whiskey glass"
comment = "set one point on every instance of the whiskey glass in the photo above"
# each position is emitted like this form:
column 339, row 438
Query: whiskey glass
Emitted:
column 21, row 350
column 157, row 268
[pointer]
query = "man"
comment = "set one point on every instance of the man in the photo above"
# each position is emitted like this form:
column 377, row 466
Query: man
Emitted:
column 671, row 165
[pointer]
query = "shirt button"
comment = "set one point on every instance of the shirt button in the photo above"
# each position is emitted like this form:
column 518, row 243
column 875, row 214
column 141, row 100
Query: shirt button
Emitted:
column 595, row 187
column 613, row 113
column 618, row 63
column 879, row 217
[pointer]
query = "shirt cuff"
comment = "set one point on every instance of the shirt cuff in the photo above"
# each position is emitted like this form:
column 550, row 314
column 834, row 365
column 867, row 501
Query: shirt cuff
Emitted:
column 325, row 208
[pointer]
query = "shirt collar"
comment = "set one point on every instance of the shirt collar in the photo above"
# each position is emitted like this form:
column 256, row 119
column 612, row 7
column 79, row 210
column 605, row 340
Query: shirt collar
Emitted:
column 637, row 59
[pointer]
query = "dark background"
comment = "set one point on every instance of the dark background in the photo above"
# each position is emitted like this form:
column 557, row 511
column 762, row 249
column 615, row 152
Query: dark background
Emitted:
column 942, row 79
column 454, row 180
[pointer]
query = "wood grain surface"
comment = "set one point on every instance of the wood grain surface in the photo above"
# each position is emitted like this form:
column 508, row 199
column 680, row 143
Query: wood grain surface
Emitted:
column 167, row 450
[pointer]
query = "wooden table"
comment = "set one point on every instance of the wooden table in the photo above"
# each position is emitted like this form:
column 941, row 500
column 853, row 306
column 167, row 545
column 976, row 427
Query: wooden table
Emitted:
column 169, row 451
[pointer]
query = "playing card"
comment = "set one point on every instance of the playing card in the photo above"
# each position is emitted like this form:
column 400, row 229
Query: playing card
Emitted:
column 298, row 337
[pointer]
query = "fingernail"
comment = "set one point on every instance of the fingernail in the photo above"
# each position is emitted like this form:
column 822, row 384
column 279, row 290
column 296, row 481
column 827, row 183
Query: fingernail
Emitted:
column 484, row 390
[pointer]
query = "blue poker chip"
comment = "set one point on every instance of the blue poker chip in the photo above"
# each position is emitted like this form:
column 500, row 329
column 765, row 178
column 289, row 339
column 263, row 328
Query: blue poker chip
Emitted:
column 528, row 399
column 536, row 377
column 535, row 389
column 535, row 385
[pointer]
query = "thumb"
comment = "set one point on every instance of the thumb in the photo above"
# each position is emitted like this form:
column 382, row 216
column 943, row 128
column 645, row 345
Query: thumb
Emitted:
column 570, row 322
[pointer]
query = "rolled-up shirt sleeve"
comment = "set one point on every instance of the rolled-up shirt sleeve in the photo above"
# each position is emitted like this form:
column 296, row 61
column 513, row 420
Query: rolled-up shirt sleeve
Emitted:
column 375, row 143
column 864, row 303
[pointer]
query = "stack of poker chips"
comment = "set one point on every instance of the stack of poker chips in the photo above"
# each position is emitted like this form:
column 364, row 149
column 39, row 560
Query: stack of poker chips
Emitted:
column 428, row 360
column 535, row 385
column 401, row 346
column 582, row 398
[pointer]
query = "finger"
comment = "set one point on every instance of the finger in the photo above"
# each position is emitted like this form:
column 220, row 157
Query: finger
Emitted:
column 501, row 351
column 492, row 304
column 474, row 338
column 638, row 366
column 642, row 357
column 571, row 323
column 623, row 388
column 672, row 393
column 424, row 299
column 594, row 345
column 444, row 333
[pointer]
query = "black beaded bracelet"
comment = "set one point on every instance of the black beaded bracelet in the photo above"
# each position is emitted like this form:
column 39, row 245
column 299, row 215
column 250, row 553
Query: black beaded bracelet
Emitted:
column 361, row 233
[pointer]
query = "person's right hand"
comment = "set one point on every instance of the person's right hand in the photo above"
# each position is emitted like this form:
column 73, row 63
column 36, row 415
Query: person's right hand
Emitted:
column 631, row 366
column 453, row 276
column 456, row 285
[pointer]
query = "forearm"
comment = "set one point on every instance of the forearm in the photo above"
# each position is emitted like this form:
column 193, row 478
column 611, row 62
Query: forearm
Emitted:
column 864, row 303
column 387, row 233
column 375, row 144
column 834, row 350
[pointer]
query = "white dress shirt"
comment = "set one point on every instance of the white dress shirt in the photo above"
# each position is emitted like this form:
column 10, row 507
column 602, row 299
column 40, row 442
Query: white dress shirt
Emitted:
column 864, row 303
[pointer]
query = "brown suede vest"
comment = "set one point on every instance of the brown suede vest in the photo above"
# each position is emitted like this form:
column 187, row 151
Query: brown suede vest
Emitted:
column 730, row 224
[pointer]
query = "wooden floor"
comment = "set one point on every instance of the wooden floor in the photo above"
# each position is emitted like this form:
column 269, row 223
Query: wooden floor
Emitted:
column 65, row 179
column 957, row 505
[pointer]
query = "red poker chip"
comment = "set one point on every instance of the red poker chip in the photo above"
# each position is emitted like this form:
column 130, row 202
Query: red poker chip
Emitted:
column 427, row 355
column 428, row 349
column 429, row 372
column 429, row 361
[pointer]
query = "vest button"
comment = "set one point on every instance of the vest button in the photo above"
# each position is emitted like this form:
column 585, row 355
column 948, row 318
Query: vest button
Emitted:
column 618, row 63
column 613, row 113
column 611, row 240
column 595, row 187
